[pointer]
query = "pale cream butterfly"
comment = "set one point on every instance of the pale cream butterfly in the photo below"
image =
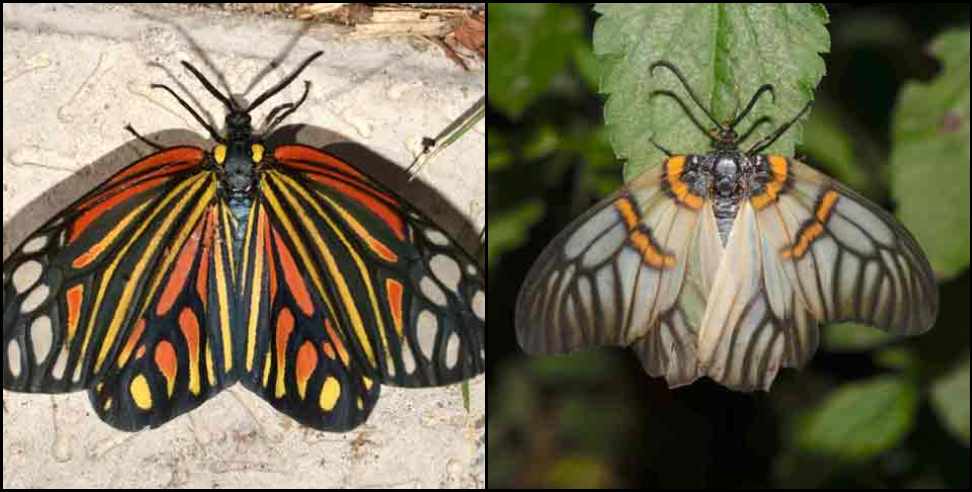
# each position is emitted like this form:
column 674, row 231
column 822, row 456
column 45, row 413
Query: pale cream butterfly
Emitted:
column 723, row 264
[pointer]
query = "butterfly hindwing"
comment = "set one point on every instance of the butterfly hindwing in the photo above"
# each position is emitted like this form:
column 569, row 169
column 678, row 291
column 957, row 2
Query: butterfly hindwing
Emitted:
column 293, row 354
column 357, row 289
column 818, row 252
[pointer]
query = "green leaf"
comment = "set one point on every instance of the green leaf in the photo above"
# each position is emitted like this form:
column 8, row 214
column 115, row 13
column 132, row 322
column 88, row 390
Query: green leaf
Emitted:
column 725, row 51
column 854, row 337
column 498, row 155
column 859, row 421
column 834, row 147
column 950, row 399
column 528, row 44
column 587, row 65
column 508, row 229
column 930, row 157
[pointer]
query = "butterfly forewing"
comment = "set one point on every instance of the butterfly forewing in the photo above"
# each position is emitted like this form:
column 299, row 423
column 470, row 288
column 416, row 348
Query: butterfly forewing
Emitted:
column 614, row 277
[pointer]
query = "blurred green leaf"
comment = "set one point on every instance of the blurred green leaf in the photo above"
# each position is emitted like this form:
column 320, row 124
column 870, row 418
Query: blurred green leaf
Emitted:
column 580, row 471
column 950, row 399
column 587, row 65
column 543, row 141
column 827, row 140
column 899, row 358
column 528, row 44
column 930, row 157
column 508, row 229
column 725, row 51
column 861, row 420
column 854, row 337
column 498, row 154
column 585, row 367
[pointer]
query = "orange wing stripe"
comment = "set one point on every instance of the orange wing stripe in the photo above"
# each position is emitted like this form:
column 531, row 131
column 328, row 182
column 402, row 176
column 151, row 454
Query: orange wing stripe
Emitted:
column 293, row 155
column 180, row 272
column 640, row 237
column 88, row 217
column 779, row 167
column 305, row 366
column 74, row 297
column 285, row 327
column 673, row 169
column 395, row 291
column 379, row 207
column 294, row 277
column 168, row 363
column 171, row 159
column 133, row 338
column 813, row 229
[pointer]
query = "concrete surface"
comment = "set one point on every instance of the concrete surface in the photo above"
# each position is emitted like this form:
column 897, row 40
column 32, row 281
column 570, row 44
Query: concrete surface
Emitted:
column 73, row 76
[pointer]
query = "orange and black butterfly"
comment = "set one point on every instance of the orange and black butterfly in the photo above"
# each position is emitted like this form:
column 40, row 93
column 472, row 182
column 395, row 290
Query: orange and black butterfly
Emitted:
column 286, row 269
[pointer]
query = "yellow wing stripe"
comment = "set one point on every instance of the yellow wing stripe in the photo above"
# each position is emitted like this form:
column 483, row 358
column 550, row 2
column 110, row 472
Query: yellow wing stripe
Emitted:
column 257, row 227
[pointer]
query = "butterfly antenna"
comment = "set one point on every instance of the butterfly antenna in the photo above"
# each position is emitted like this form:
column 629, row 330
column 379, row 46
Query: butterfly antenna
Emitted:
column 283, row 83
column 212, row 131
column 752, row 102
column 769, row 139
column 284, row 110
column 229, row 103
column 691, row 93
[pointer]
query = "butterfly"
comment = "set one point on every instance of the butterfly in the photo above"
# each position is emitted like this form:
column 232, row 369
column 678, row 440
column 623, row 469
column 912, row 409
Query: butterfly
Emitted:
column 285, row 269
column 723, row 265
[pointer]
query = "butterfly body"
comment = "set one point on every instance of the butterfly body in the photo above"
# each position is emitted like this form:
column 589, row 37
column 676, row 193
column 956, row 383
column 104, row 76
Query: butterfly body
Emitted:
column 286, row 269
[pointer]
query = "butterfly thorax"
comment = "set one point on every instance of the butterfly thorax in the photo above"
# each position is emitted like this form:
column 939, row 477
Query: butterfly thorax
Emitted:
column 237, row 162
column 726, row 177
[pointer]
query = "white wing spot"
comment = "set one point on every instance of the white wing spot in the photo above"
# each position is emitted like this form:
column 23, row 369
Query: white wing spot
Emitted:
column 479, row 305
column 26, row 275
column 36, row 297
column 13, row 359
column 408, row 358
column 446, row 270
column 452, row 351
column 432, row 291
column 41, row 338
column 472, row 270
column 60, row 365
column 34, row 245
column 428, row 328
column 437, row 237
column 580, row 240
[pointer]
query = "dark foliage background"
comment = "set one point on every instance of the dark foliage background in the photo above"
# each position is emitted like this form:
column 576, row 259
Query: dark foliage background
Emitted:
column 868, row 411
